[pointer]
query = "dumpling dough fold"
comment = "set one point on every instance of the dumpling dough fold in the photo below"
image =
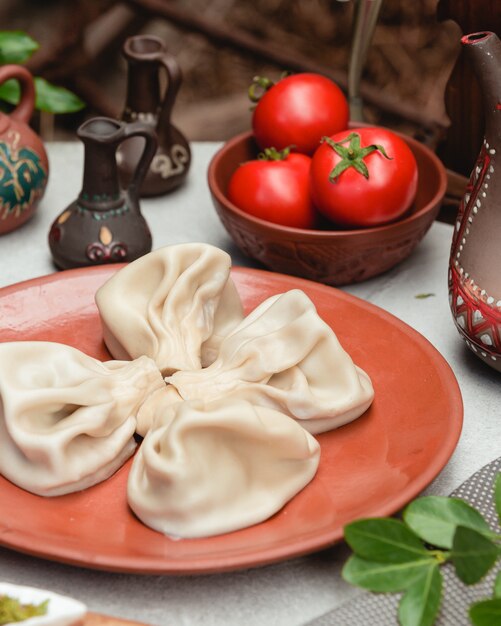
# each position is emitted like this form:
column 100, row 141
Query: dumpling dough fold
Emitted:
column 67, row 420
column 174, row 305
column 203, row 470
column 154, row 406
column 283, row 355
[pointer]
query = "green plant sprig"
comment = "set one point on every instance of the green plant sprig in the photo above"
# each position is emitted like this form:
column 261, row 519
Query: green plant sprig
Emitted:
column 392, row 556
column 17, row 47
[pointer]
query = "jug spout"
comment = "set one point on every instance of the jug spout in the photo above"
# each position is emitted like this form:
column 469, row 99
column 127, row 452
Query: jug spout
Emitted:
column 484, row 50
column 142, row 54
column 101, row 137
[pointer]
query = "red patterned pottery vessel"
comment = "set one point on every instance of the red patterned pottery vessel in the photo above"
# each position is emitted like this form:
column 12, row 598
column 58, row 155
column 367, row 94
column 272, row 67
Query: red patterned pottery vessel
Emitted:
column 24, row 167
column 104, row 224
column 474, row 273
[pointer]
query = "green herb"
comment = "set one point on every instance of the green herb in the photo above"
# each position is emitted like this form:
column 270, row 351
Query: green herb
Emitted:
column 420, row 604
column 17, row 47
column 12, row 611
column 393, row 556
column 423, row 296
column 488, row 612
column 384, row 540
column 473, row 555
column 435, row 519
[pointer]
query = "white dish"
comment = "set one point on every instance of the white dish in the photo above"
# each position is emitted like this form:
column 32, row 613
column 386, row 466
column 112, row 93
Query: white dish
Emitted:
column 61, row 611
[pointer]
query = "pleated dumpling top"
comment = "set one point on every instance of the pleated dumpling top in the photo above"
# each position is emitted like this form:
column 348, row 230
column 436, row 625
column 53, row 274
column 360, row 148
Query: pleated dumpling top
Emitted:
column 283, row 355
column 174, row 305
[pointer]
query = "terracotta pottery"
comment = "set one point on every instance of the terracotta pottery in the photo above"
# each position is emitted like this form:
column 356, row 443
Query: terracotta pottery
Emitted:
column 104, row 224
column 146, row 58
column 391, row 453
column 474, row 276
column 24, row 167
column 334, row 257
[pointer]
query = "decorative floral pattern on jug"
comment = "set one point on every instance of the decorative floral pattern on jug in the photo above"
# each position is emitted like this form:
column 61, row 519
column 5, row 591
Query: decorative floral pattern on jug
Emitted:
column 474, row 277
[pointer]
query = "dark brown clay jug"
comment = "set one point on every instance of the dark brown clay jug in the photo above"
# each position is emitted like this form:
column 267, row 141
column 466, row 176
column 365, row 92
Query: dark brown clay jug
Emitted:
column 24, row 167
column 146, row 56
column 104, row 224
column 474, row 272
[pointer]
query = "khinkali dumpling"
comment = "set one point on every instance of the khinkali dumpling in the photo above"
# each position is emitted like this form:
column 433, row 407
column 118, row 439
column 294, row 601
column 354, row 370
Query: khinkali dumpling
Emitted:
column 154, row 405
column 283, row 355
column 174, row 305
column 204, row 470
column 67, row 420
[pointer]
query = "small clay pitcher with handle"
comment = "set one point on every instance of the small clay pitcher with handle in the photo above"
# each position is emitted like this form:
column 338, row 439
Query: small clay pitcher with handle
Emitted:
column 104, row 224
column 146, row 57
column 24, row 167
column 474, row 271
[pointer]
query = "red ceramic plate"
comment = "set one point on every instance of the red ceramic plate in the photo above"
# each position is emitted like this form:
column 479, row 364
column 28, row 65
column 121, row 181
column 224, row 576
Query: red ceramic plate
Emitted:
column 370, row 467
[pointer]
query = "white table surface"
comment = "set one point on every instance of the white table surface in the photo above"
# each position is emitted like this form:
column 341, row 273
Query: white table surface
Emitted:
column 296, row 591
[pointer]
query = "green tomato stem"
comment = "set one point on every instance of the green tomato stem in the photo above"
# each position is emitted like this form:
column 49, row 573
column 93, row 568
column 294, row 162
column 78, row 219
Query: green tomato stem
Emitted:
column 272, row 154
column 352, row 156
column 263, row 84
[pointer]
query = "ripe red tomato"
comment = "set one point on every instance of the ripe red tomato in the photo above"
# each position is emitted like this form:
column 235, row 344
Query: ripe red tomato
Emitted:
column 298, row 111
column 275, row 190
column 363, row 177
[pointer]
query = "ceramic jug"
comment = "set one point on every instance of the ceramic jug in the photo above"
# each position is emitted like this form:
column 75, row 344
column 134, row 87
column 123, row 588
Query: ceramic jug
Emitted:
column 24, row 167
column 474, row 271
column 104, row 224
column 146, row 57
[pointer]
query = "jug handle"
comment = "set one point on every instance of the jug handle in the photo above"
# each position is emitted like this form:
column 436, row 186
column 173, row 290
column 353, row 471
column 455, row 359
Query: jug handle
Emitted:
column 24, row 109
column 174, row 76
column 139, row 129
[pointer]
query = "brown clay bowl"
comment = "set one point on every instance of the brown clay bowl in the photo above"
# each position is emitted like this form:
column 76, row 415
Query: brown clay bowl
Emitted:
column 334, row 257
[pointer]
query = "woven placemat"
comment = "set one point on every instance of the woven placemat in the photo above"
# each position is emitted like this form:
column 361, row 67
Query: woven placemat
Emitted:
column 368, row 609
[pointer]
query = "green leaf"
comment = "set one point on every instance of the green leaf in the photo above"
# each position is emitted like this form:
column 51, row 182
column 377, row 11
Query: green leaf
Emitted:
column 383, row 577
column 420, row 604
column 472, row 554
column 16, row 46
column 497, row 495
column 435, row 519
column 486, row 613
column 384, row 540
column 48, row 97
column 497, row 586
column 56, row 99
column 10, row 91
column 423, row 296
